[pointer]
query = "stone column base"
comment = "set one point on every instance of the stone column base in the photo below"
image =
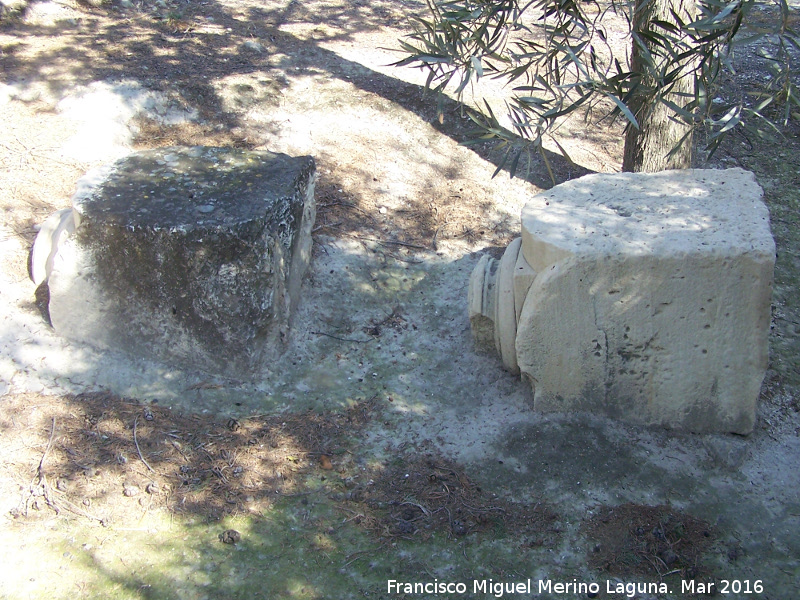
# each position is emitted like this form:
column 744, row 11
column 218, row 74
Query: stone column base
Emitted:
column 193, row 255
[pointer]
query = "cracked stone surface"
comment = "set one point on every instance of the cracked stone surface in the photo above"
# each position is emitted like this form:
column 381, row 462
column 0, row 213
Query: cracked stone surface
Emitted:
column 194, row 255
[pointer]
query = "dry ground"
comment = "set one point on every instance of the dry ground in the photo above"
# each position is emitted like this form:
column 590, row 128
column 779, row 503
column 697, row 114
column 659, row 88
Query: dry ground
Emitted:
column 419, row 458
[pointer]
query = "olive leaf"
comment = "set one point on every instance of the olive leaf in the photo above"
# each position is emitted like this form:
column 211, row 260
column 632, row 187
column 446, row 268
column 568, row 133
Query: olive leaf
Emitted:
column 558, row 54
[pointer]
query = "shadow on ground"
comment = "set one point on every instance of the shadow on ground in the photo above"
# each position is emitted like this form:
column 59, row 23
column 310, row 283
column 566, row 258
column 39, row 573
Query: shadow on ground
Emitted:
column 186, row 47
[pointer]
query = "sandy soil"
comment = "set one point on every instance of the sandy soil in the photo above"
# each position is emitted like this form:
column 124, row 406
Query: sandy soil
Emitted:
column 404, row 214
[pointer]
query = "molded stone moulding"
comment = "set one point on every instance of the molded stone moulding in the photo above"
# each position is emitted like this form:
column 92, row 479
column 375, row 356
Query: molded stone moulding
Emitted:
column 644, row 297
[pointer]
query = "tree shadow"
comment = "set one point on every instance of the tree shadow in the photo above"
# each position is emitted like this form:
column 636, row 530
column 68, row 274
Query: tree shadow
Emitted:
column 162, row 504
column 185, row 47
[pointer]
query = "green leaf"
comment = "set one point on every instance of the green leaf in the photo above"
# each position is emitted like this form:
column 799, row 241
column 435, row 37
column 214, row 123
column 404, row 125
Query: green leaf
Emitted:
column 532, row 100
column 558, row 57
column 563, row 152
column 624, row 109
column 715, row 20
column 476, row 64
column 501, row 165
column 512, row 169
column 730, row 119
column 686, row 115
column 686, row 138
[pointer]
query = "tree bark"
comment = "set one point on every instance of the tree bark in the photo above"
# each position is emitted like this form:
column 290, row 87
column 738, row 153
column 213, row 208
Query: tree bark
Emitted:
column 648, row 148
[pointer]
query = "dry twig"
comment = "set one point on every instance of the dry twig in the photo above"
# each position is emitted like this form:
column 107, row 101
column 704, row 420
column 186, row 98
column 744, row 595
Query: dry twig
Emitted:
column 46, row 452
column 340, row 338
column 136, row 443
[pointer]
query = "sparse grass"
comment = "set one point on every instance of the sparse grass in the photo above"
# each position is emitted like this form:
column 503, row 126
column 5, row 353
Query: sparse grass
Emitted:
column 341, row 528
column 132, row 499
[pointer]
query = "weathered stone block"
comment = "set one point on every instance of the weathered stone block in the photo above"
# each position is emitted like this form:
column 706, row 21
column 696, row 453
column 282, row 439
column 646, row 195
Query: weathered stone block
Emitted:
column 643, row 296
column 190, row 254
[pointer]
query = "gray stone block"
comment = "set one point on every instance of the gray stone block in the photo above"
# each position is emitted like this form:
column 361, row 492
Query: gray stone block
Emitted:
column 194, row 255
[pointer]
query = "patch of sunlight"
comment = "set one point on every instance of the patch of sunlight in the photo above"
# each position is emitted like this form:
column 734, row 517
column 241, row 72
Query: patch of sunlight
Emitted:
column 103, row 112
column 298, row 588
column 410, row 407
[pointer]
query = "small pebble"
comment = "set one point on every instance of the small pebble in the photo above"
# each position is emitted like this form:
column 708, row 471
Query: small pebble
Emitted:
column 131, row 490
column 253, row 45
column 230, row 536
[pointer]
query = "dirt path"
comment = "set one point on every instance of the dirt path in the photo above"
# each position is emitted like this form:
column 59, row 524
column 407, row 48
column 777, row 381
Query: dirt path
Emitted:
column 414, row 426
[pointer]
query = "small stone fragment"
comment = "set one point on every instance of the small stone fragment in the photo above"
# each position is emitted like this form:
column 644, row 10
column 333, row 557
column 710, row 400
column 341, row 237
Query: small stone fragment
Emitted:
column 131, row 490
column 669, row 557
column 57, row 226
column 230, row 536
column 253, row 45
column 404, row 527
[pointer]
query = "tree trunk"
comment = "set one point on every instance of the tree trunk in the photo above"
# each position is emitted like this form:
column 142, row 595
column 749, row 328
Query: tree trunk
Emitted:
column 648, row 148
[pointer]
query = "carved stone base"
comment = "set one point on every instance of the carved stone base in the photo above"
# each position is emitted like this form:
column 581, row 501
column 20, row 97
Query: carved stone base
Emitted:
column 642, row 296
column 194, row 255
